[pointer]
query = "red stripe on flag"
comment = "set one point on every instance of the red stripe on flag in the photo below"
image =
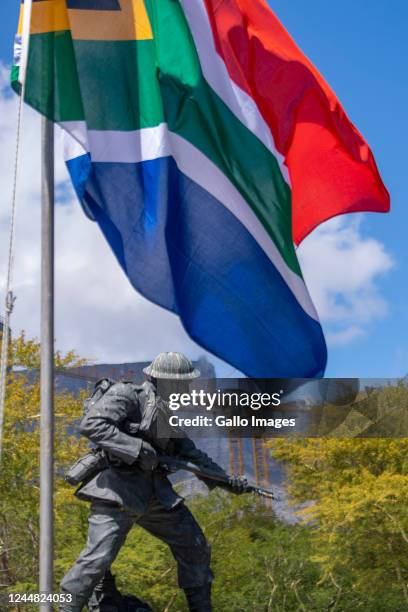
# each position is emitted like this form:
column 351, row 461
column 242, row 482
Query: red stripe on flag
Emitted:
column 331, row 167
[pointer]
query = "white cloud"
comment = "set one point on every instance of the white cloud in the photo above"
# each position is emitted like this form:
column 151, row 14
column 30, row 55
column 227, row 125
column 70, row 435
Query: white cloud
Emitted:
column 342, row 269
column 101, row 316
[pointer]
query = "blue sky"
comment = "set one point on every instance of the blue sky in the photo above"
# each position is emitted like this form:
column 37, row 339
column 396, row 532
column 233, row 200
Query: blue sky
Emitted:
column 361, row 48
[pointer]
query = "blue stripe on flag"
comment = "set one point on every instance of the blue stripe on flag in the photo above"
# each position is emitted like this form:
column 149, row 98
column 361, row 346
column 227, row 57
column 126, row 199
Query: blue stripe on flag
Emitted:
column 183, row 250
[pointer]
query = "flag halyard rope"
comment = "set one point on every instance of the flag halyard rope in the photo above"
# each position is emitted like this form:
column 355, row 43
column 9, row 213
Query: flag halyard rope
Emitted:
column 10, row 297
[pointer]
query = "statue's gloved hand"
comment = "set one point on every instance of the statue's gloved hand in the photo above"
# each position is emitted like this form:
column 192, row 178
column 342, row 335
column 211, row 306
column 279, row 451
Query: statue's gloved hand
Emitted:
column 238, row 484
column 148, row 458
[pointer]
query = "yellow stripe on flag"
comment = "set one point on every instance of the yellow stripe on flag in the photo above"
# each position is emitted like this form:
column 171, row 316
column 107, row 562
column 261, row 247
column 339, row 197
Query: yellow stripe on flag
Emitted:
column 130, row 23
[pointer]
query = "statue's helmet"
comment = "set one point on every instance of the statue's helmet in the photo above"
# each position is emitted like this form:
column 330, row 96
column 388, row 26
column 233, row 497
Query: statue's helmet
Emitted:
column 172, row 366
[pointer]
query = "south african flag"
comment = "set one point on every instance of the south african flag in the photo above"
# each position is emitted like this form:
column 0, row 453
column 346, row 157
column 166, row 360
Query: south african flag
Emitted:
column 204, row 144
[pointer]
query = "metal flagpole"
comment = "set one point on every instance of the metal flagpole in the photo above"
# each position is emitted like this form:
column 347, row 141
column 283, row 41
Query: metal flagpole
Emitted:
column 47, row 363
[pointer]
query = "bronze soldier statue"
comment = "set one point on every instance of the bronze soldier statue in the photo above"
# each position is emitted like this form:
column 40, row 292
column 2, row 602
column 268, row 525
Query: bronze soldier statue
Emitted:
column 128, row 424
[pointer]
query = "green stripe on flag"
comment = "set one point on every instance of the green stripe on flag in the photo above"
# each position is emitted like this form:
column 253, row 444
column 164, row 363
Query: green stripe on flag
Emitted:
column 115, row 80
column 14, row 76
column 52, row 85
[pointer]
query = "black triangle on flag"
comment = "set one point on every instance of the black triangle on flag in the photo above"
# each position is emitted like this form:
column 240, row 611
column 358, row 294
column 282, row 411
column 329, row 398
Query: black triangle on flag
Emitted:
column 94, row 5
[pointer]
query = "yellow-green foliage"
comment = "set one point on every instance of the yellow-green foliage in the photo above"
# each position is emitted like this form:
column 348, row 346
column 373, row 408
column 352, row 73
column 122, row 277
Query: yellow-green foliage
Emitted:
column 19, row 475
column 357, row 510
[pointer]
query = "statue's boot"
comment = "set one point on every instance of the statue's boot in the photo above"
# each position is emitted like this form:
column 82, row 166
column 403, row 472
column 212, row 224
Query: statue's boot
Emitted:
column 126, row 603
column 199, row 598
column 107, row 598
